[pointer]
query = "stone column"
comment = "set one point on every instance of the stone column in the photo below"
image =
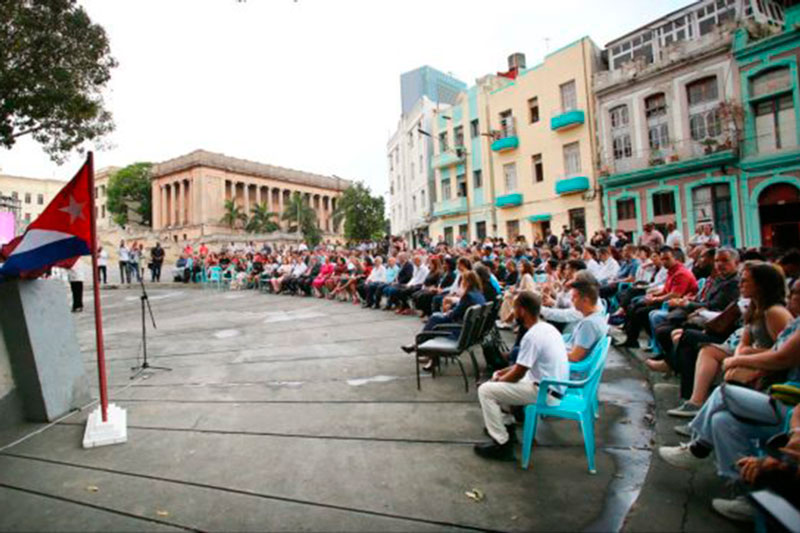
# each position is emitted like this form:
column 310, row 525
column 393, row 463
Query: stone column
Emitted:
column 258, row 194
column 167, row 205
column 164, row 208
column 173, row 215
column 269, row 199
column 187, row 215
column 180, row 202
column 246, row 198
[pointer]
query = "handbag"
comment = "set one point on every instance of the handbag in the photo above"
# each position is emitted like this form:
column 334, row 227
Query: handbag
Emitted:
column 724, row 323
column 750, row 406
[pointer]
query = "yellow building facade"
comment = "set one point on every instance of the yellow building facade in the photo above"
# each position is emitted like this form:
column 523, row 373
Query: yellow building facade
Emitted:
column 516, row 154
column 543, row 147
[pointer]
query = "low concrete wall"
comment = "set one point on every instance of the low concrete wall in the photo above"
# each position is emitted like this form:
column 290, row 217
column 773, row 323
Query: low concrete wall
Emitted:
column 11, row 410
column 43, row 352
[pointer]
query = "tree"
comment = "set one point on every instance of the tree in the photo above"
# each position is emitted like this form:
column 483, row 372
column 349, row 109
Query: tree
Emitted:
column 233, row 214
column 129, row 190
column 301, row 215
column 261, row 220
column 362, row 213
column 53, row 64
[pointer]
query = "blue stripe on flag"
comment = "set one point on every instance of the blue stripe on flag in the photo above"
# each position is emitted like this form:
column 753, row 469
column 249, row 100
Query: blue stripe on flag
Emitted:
column 44, row 256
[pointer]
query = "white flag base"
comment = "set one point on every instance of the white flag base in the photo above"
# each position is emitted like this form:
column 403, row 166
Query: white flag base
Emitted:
column 99, row 433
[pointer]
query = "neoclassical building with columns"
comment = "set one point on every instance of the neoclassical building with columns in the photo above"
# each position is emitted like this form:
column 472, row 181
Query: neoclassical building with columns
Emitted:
column 189, row 192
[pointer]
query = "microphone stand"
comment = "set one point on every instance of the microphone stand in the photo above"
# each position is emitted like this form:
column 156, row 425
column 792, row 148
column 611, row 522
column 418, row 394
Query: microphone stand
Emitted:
column 145, row 301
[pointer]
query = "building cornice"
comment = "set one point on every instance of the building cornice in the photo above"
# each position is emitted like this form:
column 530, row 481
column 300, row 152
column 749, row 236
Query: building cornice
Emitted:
column 203, row 158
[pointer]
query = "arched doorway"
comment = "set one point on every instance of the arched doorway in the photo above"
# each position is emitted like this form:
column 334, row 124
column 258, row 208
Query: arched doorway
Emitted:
column 779, row 212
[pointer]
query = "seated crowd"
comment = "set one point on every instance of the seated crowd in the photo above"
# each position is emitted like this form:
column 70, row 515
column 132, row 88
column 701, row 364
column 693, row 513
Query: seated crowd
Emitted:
column 716, row 317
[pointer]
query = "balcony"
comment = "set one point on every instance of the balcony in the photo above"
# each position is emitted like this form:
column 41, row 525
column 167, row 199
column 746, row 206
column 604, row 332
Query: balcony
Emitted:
column 541, row 217
column 446, row 159
column 572, row 184
column 451, row 206
column 509, row 200
column 507, row 139
column 565, row 120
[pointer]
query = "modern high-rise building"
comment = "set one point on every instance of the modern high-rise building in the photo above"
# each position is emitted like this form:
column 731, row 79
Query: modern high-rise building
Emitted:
column 438, row 87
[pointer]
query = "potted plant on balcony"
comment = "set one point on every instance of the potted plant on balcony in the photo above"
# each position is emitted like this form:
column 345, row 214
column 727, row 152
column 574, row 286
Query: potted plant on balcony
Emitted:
column 709, row 145
column 656, row 158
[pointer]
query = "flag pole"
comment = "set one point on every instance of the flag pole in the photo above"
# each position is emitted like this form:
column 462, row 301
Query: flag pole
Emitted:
column 98, row 318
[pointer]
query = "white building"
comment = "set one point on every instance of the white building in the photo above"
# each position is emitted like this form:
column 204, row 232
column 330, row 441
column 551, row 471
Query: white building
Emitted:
column 409, row 155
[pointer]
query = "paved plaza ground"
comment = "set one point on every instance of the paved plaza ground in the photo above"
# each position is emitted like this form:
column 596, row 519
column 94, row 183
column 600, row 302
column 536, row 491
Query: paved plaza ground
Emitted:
column 287, row 413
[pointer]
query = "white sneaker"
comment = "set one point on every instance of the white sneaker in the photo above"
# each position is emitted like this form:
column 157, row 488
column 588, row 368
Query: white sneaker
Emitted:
column 680, row 456
column 739, row 508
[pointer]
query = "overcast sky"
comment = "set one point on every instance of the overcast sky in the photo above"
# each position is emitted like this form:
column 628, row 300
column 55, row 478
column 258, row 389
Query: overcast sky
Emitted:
column 309, row 84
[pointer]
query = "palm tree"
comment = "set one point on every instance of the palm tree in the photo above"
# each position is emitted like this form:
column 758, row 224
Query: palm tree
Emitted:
column 261, row 220
column 301, row 217
column 233, row 214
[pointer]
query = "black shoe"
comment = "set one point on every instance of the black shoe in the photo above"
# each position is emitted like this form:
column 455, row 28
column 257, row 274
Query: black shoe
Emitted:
column 498, row 452
column 510, row 428
column 409, row 348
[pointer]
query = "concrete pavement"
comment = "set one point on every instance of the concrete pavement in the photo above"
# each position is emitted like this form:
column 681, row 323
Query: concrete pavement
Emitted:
column 287, row 413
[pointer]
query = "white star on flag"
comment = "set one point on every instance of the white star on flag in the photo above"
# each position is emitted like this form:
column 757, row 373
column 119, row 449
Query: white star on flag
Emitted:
column 74, row 209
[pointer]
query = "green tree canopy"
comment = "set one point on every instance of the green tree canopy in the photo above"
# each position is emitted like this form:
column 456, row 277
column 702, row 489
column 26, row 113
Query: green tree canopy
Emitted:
column 299, row 214
column 129, row 190
column 53, row 64
column 362, row 213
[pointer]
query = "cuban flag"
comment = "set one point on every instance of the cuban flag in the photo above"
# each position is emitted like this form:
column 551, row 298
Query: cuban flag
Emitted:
column 58, row 236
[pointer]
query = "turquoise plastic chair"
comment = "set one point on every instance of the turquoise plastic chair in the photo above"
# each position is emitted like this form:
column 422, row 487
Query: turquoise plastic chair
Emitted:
column 540, row 278
column 577, row 404
column 214, row 277
column 579, row 369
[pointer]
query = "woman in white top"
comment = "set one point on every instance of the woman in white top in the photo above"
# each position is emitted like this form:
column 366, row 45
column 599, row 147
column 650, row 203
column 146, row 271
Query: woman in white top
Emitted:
column 102, row 265
column 524, row 283
column 124, row 257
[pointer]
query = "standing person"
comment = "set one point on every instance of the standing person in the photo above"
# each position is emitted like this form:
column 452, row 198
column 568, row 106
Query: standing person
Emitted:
column 140, row 265
column 157, row 260
column 124, row 257
column 651, row 237
column 133, row 262
column 102, row 265
column 75, row 277
column 674, row 236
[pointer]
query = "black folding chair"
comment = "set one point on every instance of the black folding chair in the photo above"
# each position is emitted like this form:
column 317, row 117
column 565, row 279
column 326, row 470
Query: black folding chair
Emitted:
column 438, row 344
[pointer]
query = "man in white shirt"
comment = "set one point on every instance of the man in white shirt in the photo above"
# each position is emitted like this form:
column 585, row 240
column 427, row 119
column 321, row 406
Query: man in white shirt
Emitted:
column 674, row 236
column 590, row 258
column 609, row 267
column 542, row 355
column 404, row 292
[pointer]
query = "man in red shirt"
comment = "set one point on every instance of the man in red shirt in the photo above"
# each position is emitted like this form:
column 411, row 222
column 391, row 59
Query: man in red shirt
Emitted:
column 680, row 282
column 203, row 250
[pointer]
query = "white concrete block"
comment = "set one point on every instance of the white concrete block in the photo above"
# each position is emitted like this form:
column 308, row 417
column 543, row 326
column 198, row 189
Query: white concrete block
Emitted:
column 113, row 431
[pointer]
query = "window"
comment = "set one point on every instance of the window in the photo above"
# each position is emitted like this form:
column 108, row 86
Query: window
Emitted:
column 480, row 230
column 40, row 199
column 655, row 109
column 533, row 107
column 27, row 217
column 448, row 236
column 619, row 117
column 410, row 139
column 704, row 119
column 102, row 211
column 445, row 188
column 421, row 165
column 477, row 179
column 461, row 185
column 626, row 209
column 462, row 231
column 622, row 147
column 702, row 91
column 776, row 127
column 538, row 168
column 510, row 176
column 663, row 203
column 443, row 141
column 512, row 230
column 422, row 200
column 569, row 96
column 507, row 124
column 474, row 129
column 577, row 219
column 770, row 82
column 27, row 197
column 414, row 202
column 15, row 195
column 572, row 158
column 458, row 136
